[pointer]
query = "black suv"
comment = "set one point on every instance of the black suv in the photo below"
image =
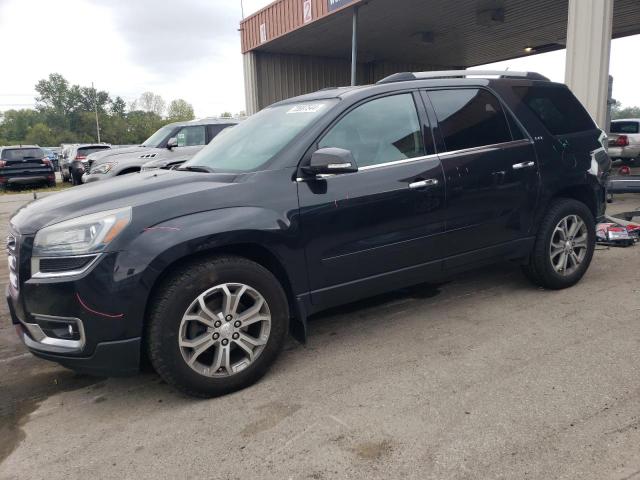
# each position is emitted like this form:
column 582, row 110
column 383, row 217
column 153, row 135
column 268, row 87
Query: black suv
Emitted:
column 313, row 202
column 22, row 165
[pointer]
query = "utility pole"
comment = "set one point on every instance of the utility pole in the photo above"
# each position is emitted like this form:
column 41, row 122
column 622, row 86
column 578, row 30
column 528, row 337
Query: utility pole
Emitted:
column 95, row 106
column 242, row 8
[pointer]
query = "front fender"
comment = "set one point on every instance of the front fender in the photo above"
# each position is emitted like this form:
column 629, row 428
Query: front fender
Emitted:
column 155, row 249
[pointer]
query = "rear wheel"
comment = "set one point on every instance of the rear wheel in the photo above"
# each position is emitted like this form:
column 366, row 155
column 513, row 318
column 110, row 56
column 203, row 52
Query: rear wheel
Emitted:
column 216, row 326
column 564, row 247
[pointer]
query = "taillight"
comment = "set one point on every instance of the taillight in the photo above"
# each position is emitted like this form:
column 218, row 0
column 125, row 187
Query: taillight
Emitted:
column 46, row 161
column 81, row 157
column 3, row 163
column 622, row 141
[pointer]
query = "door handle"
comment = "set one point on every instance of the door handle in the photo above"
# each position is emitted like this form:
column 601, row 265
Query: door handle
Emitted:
column 432, row 182
column 520, row 166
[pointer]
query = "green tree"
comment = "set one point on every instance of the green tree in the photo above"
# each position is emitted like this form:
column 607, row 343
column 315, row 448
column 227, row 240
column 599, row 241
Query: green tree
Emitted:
column 180, row 110
column 226, row 115
column 40, row 134
column 118, row 107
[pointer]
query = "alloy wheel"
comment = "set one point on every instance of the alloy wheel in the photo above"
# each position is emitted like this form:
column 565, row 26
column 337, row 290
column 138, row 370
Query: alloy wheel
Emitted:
column 224, row 330
column 569, row 245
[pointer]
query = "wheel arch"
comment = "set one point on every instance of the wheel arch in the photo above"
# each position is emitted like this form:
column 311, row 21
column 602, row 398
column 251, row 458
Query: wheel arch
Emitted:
column 251, row 251
column 582, row 193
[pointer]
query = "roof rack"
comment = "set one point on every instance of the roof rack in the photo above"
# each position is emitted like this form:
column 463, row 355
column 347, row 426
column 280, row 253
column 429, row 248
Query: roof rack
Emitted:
column 408, row 76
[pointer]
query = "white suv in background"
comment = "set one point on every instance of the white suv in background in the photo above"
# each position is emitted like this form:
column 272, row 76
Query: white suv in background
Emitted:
column 624, row 139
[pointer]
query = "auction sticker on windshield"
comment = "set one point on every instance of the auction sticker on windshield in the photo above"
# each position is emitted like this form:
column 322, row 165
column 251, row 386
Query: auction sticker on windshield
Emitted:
column 309, row 108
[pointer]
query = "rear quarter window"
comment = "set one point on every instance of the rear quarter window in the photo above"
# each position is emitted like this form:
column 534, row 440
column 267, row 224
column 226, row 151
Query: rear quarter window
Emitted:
column 557, row 108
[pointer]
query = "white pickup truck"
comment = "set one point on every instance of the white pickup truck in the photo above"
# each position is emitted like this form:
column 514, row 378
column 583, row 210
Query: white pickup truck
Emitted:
column 624, row 140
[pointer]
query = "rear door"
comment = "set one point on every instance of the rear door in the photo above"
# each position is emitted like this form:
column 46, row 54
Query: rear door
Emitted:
column 491, row 172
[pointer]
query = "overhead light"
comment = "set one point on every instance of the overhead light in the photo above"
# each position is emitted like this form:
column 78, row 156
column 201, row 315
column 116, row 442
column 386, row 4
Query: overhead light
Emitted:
column 529, row 49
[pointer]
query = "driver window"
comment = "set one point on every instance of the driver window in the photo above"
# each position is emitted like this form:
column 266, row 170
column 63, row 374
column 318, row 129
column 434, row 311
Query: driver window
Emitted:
column 380, row 131
column 191, row 136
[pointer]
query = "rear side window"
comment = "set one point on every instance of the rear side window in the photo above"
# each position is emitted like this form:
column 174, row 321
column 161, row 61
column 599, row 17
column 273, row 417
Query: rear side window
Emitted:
column 380, row 131
column 19, row 154
column 625, row 127
column 216, row 129
column 469, row 118
column 557, row 109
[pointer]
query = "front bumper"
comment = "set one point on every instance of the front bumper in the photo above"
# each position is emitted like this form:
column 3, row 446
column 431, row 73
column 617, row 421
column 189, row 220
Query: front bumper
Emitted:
column 91, row 323
column 89, row 178
column 624, row 152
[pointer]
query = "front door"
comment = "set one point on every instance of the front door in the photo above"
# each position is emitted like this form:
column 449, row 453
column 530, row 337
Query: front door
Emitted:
column 388, row 217
column 491, row 172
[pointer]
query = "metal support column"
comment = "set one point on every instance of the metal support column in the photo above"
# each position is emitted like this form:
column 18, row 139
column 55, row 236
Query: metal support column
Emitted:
column 588, row 54
column 354, row 47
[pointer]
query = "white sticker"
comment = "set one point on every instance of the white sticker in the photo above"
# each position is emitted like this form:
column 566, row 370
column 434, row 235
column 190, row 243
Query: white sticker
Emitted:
column 312, row 108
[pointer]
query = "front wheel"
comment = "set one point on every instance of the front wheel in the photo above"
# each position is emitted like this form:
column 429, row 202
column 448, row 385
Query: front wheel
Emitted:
column 216, row 326
column 564, row 246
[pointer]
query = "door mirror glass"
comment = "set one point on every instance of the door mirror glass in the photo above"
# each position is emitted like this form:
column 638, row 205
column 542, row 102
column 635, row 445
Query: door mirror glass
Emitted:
column 172, row 143
column 331, row 161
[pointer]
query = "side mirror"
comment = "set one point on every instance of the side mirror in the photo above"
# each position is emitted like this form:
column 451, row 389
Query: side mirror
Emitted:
column 331, row 161
column 172, row 143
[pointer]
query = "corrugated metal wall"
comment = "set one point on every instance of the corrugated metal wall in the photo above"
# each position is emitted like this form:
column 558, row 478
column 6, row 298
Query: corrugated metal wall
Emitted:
column 270, row 78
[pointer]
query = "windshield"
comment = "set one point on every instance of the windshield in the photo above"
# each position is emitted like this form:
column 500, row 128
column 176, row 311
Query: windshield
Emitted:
column 156, row 139
column 252, row 143
column 89, row 150
column 19, row 154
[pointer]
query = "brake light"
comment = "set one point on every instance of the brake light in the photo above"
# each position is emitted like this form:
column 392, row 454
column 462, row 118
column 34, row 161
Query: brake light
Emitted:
column 46, row 161
column 622, row 141
column 3, row 163
column 81, row 157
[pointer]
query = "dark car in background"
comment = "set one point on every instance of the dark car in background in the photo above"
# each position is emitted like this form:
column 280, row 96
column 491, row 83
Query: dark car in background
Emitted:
column 52, row 156
column 23, row 165
column 169, row 147
column 75, row 162
column 311, row 203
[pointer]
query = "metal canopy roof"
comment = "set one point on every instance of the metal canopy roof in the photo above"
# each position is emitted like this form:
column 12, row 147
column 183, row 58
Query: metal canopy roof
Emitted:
column 459, row 33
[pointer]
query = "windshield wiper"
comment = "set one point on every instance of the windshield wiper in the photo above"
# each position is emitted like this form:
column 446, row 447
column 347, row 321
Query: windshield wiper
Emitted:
column 196, row 168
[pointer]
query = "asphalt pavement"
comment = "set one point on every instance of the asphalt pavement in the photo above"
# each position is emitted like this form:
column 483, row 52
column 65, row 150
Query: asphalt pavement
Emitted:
column 484, row 377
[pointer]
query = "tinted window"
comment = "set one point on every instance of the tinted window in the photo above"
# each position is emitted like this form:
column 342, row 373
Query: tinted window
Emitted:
column 19, row 154
column 216, row 129
column 380, row 131
column 557, row 108
column 469, row 118
column 191, row 136
column 625, row 127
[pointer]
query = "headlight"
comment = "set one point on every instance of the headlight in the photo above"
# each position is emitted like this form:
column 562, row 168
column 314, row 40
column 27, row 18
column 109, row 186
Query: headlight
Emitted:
column 82, row 235
column 103, row 167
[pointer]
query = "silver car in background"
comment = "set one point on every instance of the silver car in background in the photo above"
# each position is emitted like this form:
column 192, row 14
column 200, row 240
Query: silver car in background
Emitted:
column 170, row 146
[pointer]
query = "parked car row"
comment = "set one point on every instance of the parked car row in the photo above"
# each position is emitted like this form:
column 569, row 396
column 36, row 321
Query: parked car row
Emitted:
column 313, row 202
column 170, row 146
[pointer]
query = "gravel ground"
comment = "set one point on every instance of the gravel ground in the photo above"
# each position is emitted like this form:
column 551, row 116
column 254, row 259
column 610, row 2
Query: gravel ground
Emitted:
column 482, row 377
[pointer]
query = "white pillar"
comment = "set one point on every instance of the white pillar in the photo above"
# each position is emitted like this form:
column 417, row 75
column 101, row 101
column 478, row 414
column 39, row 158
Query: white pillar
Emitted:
column 250, row 83
column 588, row 54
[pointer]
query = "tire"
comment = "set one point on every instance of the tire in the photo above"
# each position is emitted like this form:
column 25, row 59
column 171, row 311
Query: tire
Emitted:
column 170, row 319
column 540, row 269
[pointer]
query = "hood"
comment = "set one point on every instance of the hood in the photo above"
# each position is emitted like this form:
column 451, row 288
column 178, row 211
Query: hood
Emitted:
column 116, row 153
column 157, row 195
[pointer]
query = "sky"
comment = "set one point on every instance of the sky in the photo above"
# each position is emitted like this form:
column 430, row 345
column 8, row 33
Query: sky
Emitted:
column 188, row 49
